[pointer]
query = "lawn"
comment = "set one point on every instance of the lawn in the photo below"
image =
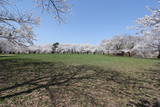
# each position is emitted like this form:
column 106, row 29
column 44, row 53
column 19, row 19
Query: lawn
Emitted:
column 73, row 80
column 107, row 62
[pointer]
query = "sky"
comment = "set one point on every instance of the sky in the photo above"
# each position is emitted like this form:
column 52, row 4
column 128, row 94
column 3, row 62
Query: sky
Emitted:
column 90, row 21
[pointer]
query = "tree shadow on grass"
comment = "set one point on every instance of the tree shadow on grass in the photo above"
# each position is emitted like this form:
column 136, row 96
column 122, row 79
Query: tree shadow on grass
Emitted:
column 26, row 82
column 4, row 56
column 153, row 77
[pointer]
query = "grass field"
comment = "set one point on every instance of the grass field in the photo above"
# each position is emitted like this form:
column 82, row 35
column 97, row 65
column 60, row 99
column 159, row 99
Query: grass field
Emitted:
column 72, row 80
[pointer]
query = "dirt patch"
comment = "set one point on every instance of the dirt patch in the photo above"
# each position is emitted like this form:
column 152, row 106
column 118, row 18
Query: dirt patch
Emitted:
column 44, row 84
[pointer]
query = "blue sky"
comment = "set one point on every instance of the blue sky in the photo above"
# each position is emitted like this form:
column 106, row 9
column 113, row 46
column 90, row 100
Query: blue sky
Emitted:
column 90, row 21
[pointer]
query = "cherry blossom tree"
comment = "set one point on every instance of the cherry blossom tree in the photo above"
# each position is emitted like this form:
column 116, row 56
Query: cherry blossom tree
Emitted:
column 17, row 26
column 149, row 26
column 121, row 43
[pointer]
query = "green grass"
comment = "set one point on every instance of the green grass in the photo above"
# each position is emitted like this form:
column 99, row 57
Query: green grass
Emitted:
column 107, row 62
column 78, row 80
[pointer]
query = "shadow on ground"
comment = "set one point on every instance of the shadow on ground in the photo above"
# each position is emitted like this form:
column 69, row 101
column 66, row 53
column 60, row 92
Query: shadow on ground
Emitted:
column 31, row 83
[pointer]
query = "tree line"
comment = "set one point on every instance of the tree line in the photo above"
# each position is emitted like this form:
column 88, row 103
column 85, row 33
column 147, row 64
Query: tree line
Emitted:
column 119, row 45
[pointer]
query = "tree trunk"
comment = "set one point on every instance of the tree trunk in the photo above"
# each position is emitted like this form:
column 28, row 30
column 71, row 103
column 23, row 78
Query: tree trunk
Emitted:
column 158, row 54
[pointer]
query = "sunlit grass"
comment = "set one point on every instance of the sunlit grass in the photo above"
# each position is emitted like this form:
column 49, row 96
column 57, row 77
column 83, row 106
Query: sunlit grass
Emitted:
column 107, row 62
